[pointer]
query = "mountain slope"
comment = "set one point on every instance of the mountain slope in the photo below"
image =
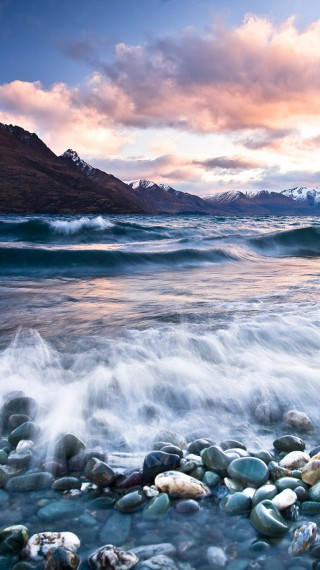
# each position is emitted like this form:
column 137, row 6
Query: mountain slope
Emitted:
column 258, row 203
column 34, row 180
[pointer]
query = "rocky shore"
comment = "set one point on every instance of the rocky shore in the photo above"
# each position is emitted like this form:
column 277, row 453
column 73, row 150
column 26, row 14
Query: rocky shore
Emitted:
column 187, row 504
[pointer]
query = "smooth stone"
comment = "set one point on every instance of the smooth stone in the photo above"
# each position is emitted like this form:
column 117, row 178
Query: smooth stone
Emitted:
column 157, row 506
column 158, row 462
column 39, row 544
column 181, row 486
column 102, row 503
column 79, row 461
column 198, row 445
column 150, row 550
column 30, row 482
column 263, row 493
column 13, row 539
column 130, row 479
column 295, row 460
column 277, row 472
column 62, row 559
column 131, row 502
column 66, row 483
column 249, row 492
column 267, row 413
column 302, row 493
column 288, row 483
column 232, row 485
column 237, row 451
column 109, row 556
column 311, row 472
column 231, row 444
column 216, row 556
column 25, row 444
column 187, row 506
column 236, row 504
column 21, row 405
column 298, row 420
column 99, row 473
column 310, row 508
column 186, row 466
column 266, row 519
column 196, row 459
column 116, row 529
column 58, row 510
column 303, row 537
column 315, row 551
column 215, row 459
column 259, row 545
column 28, row 430
column 20, row 459
column 289, row 443
column 16, row 420
column 173, row 449
column 68, row 445
column 172, row 437
column 3, row 457
column 198, row 473
column 87, row 520
column 285, row 499
column 265, row 456
column 159, row 562
column 249, row 471
column 211, row 479
column 314, row 451
column 7, row 472
column 314, row 492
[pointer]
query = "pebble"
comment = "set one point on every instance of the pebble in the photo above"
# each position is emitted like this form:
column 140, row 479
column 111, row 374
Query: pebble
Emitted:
column 109, row 556
column 173, row 438
column 294, row 460
column 157, row 462
column 216, row 556
column 236, row 503
column 249, row 471
column 215, row 459
column 181, row 486
column 266, row 518
column 289, row 443
column 39, row 544
column 62, row 559
column 285, row 499
column 157, row 506
column 99, row 472
column 59, row 510
column 303, row 538
column 311, row 472
column 298, row 420
column 13, row 539
column 30, row 482
column 150, row 550
column 159, row 562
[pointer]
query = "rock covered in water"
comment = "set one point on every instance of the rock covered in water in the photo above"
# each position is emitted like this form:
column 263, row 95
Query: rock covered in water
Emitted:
column 216, row 556
column 158, row 562
column 68, row 445
column 302, row 539
column 157, row 462
column 13, row 539
column 299, row 420
column 158, row 506
column 285, row 499
column 181, row 486
column 99, row 473
column 294, row 460
column 236, row 503
column 30, row 482
column 62, row 559
column 150, row 550
column 19, row 405
column 28, row 430
column 172, row 437
column 131, row 502
column 39, row 544
column 109, row 556
column 266, row 518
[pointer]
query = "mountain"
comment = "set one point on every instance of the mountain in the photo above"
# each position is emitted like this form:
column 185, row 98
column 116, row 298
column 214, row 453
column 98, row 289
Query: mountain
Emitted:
column 34, row 180
column 304, row 195
column 258, row 203
column 167, row 200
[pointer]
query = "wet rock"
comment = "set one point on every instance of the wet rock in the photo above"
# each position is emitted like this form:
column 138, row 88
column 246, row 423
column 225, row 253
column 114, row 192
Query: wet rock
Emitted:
column 173, row 450
column 314, row 492
column 109, row 556
column 277, row 472
column 21, row 405
column 231, row 444
column 102, row 503
column 158, row 506
column 187, row 506
column 268, row 413
column 181, row 486
column 59, row 510
column 30, row 482
column 116, row 529
column 172, row 437
column 7, row 472
column 158, row 462
column 298, row 420
column 263, row 493
column 130, row 478
column 288, row 483
column 13, row 539
column 39, row 544
column 303, row 538
column 215, row 459
column 79, row 461
column 54, row 467
column 99, row 473
column 232, row 485
column 211, row 479
column 216, row 556
column 302, row 493
column 16, row 420
column 267, row 519
column 62, row 559
column 198, row 445
column 68, row 445
column 311, row 472
column 66, row 483
column 249, row 471
column 20, row 459
column 28, row 430
column 131, row 502
column 310, row 508
column 264, row 455
column 285, row 499
column 289, row 443
column 150, row 550
column 150, row 492
column 236, row 504
column 294, row 460
column 159, row 562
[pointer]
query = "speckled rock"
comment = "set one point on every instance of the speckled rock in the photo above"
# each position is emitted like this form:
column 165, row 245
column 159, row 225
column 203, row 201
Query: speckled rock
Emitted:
column 294, row 460
column 289, row 443
column 311, row 472
column 303, row 538
column 109, row 556
column 285, row 499
column 13, row 539
column 249, row 471
column 62, row 559
column 299, row 420
column 267, row 519
column 181, row 486
column 39, row 544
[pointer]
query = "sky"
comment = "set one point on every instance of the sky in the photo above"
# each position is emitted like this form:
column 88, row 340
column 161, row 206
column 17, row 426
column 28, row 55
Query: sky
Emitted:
column 203, row 95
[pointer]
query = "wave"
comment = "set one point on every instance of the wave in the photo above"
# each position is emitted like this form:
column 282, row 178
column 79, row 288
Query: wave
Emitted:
column 83, row 262
column 300, row 242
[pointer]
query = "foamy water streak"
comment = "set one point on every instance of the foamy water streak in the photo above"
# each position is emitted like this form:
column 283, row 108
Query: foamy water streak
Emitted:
column 126, row 389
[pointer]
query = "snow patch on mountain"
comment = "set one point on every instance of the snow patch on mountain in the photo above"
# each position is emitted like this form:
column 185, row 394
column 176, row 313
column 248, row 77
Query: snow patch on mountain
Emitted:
column 303, row 194
column 84, row 166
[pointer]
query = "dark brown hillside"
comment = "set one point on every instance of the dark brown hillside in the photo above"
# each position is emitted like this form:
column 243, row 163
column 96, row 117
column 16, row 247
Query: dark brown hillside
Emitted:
column 34, row 180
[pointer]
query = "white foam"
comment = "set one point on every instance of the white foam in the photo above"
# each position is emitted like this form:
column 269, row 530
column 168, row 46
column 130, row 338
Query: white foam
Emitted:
column 68, row 227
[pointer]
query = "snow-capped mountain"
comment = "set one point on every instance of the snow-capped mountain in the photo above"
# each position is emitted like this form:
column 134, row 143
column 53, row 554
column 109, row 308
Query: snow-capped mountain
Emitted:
column 81, row 164
column 304, row 194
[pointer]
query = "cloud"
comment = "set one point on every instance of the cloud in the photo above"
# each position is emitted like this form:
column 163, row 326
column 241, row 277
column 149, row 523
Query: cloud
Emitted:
column 226, row 163
column 264, row 138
